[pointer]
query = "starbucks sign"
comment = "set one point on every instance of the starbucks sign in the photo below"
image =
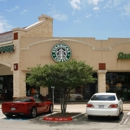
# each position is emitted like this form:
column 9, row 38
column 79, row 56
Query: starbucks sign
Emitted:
column 61, row 52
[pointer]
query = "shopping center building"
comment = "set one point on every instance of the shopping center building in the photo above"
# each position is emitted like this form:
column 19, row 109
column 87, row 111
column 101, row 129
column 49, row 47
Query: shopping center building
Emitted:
column 22, row 48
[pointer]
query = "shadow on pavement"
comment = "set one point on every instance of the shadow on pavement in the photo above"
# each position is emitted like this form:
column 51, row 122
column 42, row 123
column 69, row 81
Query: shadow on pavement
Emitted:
column 106, row 119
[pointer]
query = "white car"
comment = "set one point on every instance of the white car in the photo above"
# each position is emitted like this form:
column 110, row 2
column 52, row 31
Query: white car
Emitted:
column 104, row 104
column 75, row 97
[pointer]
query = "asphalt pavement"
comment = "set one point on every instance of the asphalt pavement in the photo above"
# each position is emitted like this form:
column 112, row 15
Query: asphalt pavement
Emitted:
column 80, row 123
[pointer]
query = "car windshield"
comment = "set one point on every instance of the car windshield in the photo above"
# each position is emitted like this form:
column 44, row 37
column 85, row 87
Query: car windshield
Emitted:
column 25, row 99
column 104, row 97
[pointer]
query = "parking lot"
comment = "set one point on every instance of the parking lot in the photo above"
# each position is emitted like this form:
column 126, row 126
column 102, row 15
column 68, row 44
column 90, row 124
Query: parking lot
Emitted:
column 78, row 123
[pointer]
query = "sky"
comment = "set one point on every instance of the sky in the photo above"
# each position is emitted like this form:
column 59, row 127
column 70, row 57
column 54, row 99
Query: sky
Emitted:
column 99, row 19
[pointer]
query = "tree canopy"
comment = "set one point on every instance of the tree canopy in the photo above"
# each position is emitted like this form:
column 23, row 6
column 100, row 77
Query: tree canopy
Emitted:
column 65, row 76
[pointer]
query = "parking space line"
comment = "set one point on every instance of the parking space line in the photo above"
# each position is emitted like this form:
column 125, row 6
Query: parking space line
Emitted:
column 128, row 113
column 1, row 117
column 126, row 120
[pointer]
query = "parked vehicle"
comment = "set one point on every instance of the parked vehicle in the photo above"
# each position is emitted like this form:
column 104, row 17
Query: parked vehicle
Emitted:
column 75, row 97
column 104, row 104
column 30, row 106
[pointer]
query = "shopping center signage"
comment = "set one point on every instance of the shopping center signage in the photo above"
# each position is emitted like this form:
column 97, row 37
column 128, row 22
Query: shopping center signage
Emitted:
column 9, row 48
column 61, row 52
column 122, row 56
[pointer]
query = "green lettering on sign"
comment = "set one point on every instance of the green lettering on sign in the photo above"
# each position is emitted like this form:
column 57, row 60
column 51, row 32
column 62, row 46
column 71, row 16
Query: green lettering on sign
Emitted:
column 122, row 56
column 9, row 48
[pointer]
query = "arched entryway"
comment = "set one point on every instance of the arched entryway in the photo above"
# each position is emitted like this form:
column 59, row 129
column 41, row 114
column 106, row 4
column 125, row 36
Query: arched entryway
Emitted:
column 6, row 83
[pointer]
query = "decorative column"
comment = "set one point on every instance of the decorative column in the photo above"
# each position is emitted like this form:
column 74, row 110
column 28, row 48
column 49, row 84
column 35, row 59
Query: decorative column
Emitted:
column 43, row 91
column 19, row 85
column 102, row 77
column 19, row 77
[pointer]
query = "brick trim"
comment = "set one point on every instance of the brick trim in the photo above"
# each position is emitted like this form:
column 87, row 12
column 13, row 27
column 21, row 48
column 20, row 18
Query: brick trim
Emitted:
column 102, row 66
column 16, row 36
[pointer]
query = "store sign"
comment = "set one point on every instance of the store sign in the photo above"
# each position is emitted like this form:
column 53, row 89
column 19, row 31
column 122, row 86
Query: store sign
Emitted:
column 122, row 56
column 61, row 52
column 9, row 48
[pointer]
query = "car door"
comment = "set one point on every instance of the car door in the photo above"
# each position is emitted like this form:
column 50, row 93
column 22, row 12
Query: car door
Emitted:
column 40, row 105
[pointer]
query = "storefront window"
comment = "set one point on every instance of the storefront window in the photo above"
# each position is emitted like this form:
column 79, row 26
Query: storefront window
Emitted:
column 76, row 94
column 31, row 91
column 119, row 82
column 6, row 87
column 80, row 93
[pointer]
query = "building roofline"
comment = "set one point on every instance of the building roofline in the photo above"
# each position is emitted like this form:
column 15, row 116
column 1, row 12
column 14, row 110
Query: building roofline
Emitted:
column 6, row 32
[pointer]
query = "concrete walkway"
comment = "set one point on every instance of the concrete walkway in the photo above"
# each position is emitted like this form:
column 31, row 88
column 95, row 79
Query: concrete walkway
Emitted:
column 81, row 107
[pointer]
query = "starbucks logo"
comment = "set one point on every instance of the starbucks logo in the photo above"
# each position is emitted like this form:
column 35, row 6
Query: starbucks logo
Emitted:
column 61, row 52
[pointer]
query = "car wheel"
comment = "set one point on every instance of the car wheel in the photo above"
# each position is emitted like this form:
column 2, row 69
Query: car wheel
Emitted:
column 8, row 115
column 50, row 109
column 33, row 112
column 90, row 117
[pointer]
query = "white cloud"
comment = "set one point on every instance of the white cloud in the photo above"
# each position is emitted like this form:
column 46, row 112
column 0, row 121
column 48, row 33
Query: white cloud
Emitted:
column 94, row 2
column 24, row 11
column 13, row 9
column 88, row 16
column 60, row 17
column 77, row 21
column 117, row 2
column 126, row 9
column 75, row 4
column 96, row 8
column 56, row 14
column 113, row 3
column 121, row 5
column 4, row 25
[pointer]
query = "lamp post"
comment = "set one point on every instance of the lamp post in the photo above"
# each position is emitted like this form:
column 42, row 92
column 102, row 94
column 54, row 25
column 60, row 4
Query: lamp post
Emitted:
column 53, row 87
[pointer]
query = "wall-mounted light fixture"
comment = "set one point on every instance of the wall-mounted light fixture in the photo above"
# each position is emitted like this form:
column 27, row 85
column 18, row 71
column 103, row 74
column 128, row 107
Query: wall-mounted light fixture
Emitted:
column 16, row 66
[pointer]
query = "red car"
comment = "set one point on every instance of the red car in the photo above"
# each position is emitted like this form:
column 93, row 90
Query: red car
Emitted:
column 30, row 106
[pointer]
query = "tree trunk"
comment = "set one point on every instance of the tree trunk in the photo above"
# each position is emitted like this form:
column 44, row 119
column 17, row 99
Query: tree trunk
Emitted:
column 63, row 102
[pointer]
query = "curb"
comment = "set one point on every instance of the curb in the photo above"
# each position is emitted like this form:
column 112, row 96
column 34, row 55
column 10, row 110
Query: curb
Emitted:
column 79, row 115
column 60, row 119
column 57, row 119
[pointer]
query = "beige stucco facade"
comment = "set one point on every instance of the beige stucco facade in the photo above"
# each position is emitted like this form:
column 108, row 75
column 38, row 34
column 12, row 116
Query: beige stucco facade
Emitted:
column 33, row 46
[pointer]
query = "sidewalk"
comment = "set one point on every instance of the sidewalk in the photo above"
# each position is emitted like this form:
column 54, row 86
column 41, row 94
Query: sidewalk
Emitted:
column 126, row 106
column 81, row 107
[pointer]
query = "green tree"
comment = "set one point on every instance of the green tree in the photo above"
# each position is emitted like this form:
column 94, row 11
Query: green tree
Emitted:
column 65, row 76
